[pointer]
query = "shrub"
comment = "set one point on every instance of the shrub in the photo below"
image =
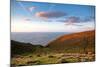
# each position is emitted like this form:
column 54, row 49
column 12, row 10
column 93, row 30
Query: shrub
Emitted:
column 38, row 55
column 34, row 62
column 50, row 56
column 63, row 61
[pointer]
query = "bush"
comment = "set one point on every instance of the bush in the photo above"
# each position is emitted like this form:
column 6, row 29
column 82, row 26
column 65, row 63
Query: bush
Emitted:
column 50, row 56
column 38, row 55
column 34, row 62
column 63, row 61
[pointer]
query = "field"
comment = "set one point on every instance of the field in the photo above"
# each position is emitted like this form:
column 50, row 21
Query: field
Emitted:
column 52, row 58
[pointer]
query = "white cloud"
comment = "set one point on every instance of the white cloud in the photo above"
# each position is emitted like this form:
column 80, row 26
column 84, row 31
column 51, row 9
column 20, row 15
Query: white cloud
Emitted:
column 26, row 26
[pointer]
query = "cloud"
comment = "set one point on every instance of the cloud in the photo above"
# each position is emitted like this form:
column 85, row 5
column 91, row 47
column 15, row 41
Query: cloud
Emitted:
column 90, row 18
column 31, row 8
column 27, row 19
column 73, row 19
column 50, row 14
column 77, row 21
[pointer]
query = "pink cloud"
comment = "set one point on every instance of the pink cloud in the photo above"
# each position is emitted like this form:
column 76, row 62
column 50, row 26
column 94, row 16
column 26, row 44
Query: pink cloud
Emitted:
column 51, row 14
column 73, row 19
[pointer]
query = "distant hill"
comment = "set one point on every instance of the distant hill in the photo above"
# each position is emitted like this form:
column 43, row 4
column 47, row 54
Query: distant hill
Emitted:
column 18, row 48
column 76, row 42
column 82, row 41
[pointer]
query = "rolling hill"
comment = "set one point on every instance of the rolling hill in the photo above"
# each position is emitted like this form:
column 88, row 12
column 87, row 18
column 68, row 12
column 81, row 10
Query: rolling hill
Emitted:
column 76, row 47
column 18, row 48
column 76, row 42
column 82, row 41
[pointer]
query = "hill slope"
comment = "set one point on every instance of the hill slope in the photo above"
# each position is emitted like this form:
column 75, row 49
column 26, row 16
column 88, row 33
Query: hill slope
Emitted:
column 77, row 42
column 77, row 47
column 18, row 48
column 83, row 41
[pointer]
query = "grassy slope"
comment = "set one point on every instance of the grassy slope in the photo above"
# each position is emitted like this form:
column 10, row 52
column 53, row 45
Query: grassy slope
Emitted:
column 19, row 48
column 77, row 41
column 65, row 49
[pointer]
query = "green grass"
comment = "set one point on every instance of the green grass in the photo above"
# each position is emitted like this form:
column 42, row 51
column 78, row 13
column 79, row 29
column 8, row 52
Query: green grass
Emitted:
column 48, row 59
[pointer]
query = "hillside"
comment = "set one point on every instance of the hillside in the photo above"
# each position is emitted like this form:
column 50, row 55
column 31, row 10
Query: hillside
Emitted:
column 77, row 47
column 83, row 41
column 18, row 48
column 77, row 42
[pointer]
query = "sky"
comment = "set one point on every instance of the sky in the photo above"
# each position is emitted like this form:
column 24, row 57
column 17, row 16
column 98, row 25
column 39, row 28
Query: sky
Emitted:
column 51, row 17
